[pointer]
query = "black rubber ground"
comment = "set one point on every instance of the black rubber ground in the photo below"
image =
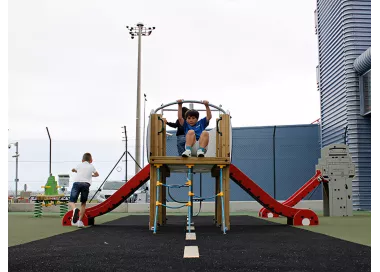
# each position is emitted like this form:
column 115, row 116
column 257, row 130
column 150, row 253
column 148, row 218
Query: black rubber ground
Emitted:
column 252, row 244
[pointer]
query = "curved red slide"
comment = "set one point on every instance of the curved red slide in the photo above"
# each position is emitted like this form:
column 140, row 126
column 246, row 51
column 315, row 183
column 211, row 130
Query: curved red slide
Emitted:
column 113, row 201
column 300, row 194
column 297, row 217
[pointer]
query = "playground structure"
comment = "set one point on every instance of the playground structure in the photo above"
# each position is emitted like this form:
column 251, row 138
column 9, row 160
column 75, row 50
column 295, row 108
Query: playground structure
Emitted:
column 217, row 162
column 335, row 171
column 51, row 195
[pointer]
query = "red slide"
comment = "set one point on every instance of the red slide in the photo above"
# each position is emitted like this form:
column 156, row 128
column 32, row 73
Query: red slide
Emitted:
column 113, row 201
column 300, row 194
column 297, row 217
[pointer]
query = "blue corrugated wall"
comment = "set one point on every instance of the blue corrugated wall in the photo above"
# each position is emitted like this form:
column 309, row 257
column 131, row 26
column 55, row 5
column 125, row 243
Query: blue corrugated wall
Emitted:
column 297, row 152
column 278, row 158
column 344, row 32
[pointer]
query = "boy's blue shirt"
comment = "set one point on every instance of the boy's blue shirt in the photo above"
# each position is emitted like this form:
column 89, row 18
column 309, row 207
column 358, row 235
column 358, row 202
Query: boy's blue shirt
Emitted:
column 198, row 128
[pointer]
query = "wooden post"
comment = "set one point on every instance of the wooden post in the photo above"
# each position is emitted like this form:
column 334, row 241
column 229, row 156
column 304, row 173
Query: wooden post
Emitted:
column 225, row 152
column 152, row 207
column 157, row 148
column 226, row 193
column 215, row 173
column 153, row 174
column 218, row 203
column 165, row 174
column 161, row 139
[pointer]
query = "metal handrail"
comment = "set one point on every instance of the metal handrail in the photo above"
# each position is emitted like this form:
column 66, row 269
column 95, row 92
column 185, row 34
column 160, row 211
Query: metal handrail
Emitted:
column 189, row 101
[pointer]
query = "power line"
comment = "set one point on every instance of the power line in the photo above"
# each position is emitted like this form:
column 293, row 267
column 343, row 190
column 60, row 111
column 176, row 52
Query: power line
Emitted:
column 95, row 162
column 44, row 181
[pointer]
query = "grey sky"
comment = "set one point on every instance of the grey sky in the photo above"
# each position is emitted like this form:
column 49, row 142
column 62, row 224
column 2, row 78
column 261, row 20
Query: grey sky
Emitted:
column 73, row 65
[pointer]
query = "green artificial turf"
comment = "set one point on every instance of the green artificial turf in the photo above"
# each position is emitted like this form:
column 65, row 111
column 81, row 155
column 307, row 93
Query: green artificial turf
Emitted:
column 23, row 227
column 356, row 228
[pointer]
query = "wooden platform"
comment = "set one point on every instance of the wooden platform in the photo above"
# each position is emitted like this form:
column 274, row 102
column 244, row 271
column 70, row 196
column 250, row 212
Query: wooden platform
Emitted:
column 178, row 164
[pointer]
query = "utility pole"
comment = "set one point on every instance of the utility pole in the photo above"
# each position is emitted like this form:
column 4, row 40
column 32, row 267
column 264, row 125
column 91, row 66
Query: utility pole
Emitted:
column 143, row 154
column 139, row 31
column 49, row 152
column 126, row 150
column 15, row 156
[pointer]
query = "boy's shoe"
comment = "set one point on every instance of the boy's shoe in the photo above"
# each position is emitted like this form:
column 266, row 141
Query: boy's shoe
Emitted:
column 186, row 153
column 75, row 217
column 80, row 224
column 200, row 153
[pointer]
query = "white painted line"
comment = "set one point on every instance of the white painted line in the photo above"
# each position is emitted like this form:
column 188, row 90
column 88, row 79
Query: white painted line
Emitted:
column 191, row 236
column 191, row 228
column 191, row 252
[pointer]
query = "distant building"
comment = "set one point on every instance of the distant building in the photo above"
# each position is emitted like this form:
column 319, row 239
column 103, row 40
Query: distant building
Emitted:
column 344, row 81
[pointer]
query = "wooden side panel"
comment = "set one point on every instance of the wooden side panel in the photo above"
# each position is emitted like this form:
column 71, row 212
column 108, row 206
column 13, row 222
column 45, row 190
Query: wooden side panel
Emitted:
column 163, row 139
column 153, row 135
column 228, row 139
column 218, row 143
column 225, row 138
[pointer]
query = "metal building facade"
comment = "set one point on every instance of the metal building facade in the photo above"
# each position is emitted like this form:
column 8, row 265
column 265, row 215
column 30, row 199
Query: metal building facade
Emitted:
column 344, row 33
column 280, row 159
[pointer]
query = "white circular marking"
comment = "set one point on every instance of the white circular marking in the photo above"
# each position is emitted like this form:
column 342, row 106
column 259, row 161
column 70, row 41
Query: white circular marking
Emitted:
column 270, row 215
column 305, row 222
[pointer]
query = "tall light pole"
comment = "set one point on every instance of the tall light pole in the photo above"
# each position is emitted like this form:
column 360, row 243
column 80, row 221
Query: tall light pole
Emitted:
column 139, row 31
column 15, row 156
column 143, row 155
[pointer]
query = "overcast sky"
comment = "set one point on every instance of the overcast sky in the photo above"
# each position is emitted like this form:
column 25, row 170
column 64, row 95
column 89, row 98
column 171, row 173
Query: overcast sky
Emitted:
column 73, row 66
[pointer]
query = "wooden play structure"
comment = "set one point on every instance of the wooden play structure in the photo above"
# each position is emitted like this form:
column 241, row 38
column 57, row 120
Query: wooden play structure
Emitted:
column 217, row 161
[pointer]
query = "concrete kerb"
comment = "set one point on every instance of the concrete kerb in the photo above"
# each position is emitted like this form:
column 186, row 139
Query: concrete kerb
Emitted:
column 235, row 206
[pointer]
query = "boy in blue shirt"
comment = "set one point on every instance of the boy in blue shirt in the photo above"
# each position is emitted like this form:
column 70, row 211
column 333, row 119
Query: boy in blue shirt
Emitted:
column 196, row 136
